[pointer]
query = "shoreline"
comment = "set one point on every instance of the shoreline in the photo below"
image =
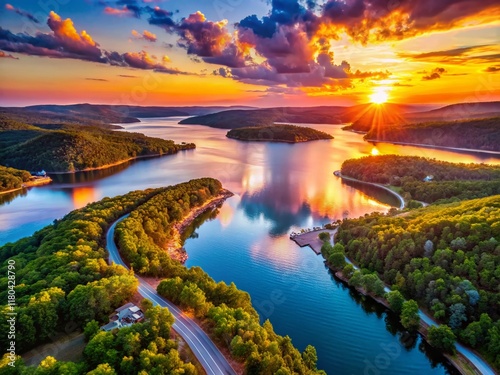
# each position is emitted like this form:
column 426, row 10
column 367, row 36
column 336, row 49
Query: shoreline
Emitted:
column 37, row 182
column 474, row 150
column 277, row 141
column 106, row 166
column 397, row 195
column 175, row 245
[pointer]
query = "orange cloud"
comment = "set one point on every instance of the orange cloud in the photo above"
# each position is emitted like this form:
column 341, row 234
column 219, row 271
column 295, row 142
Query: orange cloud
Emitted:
column 146, row 35
column 118, row 11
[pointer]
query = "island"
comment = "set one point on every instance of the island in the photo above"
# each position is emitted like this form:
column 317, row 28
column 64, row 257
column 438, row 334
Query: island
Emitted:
column 67, row 148
column 278, row 133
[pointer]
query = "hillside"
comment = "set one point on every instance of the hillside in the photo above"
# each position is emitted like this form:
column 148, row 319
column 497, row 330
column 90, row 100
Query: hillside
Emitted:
column 68, row 148
column 11, row 178
column 481, row 134
column 445, row 257
column 278, row 133
column 378, row 118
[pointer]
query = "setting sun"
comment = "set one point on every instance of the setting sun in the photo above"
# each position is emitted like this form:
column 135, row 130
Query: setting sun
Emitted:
column 379, row 96
column 374, row 151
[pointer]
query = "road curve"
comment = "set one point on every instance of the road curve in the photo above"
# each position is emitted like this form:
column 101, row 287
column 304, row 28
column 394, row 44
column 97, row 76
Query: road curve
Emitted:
column 201, row 345
column 397, row 195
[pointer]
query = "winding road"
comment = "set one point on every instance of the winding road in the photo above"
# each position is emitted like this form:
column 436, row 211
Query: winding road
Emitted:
column 201, row 345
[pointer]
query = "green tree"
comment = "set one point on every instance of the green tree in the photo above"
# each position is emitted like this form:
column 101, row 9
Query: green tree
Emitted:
column 324, row 236
column 442, row 337
column 337, row 260
column 409, row 315
column 91, row 329
column 310, row 357
column 102, row 369
column 396, row 300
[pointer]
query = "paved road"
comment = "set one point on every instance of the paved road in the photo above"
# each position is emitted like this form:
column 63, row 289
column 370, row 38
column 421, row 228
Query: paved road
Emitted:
column 202, row 346
column 481, row 365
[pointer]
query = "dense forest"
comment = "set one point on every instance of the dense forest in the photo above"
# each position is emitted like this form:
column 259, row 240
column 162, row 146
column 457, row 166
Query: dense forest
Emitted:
column 480, row 134
column 278, row 133
column 62, row 276
column 11, row 178
column 445, row 257
column 68, row 148
column 450, row 181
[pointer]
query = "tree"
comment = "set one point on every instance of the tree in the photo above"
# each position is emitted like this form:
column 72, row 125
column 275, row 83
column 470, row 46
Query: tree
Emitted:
column 348, row 270
column 337, row 260
column 146, row 304
column 356, row 279
column 396, row 300
column 90, row 330
column 442, row 337
column 409, row 315
column 457, row 316
column 310, row 357
column 103, row 369
column 428, row 248
column 324, row 236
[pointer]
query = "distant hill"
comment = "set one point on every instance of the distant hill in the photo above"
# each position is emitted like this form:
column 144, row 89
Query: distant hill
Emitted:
column 378, row 117
column 101, row 115
column 68, row 148
column 233, row 119
column 278, row 133
column 480, row 134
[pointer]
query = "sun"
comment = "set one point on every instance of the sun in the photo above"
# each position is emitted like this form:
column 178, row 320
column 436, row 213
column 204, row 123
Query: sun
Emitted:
column 380, row 96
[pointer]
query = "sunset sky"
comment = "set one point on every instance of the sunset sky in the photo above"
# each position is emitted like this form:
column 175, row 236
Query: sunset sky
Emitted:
column 249, row 52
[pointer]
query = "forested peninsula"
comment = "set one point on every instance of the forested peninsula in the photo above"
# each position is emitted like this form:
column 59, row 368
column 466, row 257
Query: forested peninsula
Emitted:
column 69, row 147
column 278, row 133
column 65, row 279
column 424, row 179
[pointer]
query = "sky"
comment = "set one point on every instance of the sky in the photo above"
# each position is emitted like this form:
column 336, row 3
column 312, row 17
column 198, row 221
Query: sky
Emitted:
column 249, row 52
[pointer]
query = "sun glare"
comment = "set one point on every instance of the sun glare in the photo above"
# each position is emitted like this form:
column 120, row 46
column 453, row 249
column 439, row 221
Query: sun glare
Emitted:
column 375, row 152
column 380, row 96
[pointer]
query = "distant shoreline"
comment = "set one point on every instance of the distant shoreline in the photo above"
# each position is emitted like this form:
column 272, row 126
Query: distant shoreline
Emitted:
column 114, row 164
column 435, row 146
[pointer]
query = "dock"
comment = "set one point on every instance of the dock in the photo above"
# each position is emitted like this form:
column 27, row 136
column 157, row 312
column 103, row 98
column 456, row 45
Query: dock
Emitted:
column 311, row 239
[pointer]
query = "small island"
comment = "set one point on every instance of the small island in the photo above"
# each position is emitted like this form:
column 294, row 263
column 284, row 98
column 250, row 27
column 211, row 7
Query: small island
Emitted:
column 278, row 133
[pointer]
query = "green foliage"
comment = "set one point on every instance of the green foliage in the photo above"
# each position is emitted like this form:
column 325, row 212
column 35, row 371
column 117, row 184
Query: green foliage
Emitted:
column 62, row 275
column 451, row 181
column 337, row 260
column 396, row 300
column 11, row 178
column 324, row 236
column 74, row 147
column 91, row 329
column 457, row 278
column 442, row 337
column 409, row 315
column 278, row 133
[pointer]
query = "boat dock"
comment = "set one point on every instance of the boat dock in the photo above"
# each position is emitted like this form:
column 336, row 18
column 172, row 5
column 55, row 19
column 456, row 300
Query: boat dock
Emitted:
column 311, row 239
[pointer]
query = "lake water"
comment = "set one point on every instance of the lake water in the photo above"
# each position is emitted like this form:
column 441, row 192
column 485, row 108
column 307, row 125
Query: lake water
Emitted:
column 278, row 188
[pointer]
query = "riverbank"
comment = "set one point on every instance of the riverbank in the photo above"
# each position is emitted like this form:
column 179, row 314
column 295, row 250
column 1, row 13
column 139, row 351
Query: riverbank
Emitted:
column 175, row 244
column 106, row 166
column 396, row 194
column 37, row 181
column 311, row 239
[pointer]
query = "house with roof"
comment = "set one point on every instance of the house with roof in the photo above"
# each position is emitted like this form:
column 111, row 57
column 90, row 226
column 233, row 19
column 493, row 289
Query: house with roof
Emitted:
column 124, row 316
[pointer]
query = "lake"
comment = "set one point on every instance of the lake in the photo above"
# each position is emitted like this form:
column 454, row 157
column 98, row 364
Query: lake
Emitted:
column 278, row 188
